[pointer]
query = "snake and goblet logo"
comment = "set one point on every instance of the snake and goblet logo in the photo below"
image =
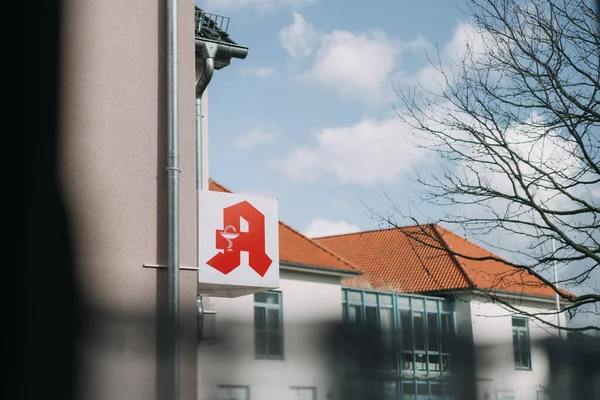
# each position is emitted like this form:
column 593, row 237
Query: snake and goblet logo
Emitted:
column 229, row 234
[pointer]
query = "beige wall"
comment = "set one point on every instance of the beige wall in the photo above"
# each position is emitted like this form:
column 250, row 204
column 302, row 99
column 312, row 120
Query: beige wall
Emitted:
column 113, row 156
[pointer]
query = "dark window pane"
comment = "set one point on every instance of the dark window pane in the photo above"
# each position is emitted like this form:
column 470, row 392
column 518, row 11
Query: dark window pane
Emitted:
column 260, row 318
column 371, row 316
column 273, row 323
column 519, row 322
column 436, row 389
column 260, row 342
column 407, row 361
column 406, row 330
column 422, row 388
column 432, row 332
column 419, row 331
column 408, row 388
column 446, row 331
column 274, row 344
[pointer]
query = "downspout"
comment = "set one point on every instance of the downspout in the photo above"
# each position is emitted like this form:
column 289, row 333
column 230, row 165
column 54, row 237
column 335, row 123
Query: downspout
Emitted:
column 173, row 198
column 208, row 54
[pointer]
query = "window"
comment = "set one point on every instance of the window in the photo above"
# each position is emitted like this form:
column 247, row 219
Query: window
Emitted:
column 543, row 395
column 522, row 351
column 414, row 329
column 268, row 325
column 233, row 393
column 303, row 393
column 505, row 395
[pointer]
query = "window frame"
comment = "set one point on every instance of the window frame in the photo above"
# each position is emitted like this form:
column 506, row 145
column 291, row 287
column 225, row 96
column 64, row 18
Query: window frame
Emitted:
column 406, row 308
column 245, row 388
column 521, row 330
column 312, row 389
column 266, row 307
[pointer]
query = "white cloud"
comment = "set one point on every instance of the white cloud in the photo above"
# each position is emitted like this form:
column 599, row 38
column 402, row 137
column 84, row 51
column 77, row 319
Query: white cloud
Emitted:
column 322, row 227
column 254, row 138
column 366, row 153
column 259, row 72
column 355, row 64
column 300, row 38
column 258, row 5
column 466, row 38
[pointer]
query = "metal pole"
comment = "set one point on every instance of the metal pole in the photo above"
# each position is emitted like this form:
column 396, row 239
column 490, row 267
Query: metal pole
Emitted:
column 556, row 285
column 173, row 199
column 201, row 162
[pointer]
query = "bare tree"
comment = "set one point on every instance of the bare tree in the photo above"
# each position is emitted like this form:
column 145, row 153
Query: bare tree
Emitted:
column 515, row 123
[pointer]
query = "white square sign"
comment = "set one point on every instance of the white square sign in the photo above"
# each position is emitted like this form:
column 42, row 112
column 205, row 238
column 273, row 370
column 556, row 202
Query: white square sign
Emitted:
column 239, row 241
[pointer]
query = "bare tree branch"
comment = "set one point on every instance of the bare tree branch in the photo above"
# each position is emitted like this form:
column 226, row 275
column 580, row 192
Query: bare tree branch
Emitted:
column 515, row 123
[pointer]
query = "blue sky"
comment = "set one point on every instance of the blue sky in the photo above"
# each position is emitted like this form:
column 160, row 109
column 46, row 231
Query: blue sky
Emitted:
column 307, row 117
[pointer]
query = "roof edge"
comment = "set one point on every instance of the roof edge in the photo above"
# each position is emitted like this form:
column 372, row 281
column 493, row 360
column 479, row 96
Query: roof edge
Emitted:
column 325, row 249
column 317, row 269
column 550, row 299
column 371, row 231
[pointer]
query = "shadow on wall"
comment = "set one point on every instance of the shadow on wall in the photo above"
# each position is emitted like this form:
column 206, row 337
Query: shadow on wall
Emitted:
column 356, row 361
column 50, row 309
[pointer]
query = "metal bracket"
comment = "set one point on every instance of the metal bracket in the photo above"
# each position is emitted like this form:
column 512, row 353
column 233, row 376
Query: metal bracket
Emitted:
column 164, row 266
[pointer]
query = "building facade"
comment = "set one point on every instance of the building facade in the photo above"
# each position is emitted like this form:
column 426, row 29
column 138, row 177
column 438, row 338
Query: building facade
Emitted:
column 495, row 310
column 271, row 345
column 113, row 159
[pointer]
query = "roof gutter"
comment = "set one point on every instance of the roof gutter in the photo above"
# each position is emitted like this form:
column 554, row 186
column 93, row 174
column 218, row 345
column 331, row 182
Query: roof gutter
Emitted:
column 316, row 269
column 509, row 295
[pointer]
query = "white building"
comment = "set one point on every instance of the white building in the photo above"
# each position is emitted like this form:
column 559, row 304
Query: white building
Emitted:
column 268, row 345
column 271, row 345
column 510, row 363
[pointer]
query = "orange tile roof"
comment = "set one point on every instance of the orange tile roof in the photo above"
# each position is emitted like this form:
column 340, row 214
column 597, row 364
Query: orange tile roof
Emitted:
column 414, row 259
column 297, row 249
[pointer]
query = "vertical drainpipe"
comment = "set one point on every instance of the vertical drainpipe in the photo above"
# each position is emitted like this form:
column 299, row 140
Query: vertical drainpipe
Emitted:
column 173, row 200
column 208, row 54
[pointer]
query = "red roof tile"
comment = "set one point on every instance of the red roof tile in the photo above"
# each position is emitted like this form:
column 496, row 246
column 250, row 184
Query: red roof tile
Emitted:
column 413, row 259
column 295, row 248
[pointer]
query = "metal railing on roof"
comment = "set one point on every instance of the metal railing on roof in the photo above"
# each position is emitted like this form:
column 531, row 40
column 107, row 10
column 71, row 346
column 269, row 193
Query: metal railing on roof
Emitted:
column 211, row 26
